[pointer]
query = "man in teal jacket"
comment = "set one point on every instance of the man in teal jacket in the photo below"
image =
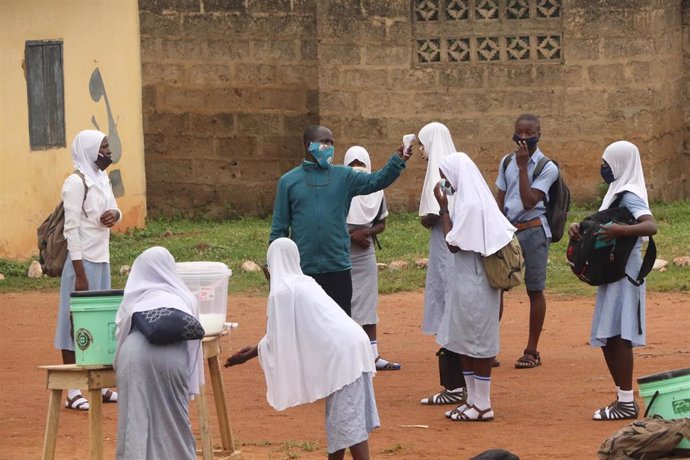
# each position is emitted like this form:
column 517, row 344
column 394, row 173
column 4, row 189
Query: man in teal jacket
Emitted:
column 311, row 206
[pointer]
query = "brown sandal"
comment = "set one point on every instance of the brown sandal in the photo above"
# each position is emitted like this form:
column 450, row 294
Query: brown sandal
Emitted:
column 481, row 415
column 528, row 360
column 109, row 396
column 79, row 402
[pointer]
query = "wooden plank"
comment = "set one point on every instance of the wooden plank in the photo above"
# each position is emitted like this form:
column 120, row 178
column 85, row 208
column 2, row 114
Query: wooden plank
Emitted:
column 221, row 406
column 211, row 346
column 101, row 379
column 54, row 94
column 33, row 61
column 95, row 431
column 50, row 437
column 206, row 441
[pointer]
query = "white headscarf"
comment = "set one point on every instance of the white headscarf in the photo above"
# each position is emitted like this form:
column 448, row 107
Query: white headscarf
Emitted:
column 437, row 143
column 311, row 347
column 153, row 283
column 478, row 224
column 624, row 159
column 363, row 208
column 85, row 148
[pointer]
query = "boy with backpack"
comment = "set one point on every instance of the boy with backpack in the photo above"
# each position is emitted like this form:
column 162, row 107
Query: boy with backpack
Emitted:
column 523, row 198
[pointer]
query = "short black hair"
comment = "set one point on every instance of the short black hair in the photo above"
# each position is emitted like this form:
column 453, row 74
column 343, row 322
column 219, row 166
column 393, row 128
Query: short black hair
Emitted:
column 311, row 132
column 529, row 117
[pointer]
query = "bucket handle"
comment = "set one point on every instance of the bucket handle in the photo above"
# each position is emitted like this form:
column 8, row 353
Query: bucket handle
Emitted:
column 649, row 406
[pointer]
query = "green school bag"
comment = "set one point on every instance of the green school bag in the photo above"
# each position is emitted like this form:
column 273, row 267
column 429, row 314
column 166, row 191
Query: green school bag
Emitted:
column 505, row 268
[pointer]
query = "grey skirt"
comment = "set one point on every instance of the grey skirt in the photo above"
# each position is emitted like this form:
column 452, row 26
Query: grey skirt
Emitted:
column 351, row 414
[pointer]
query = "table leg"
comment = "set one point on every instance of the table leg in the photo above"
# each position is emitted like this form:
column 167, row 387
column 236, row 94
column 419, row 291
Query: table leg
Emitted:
column 206, row 441
column 221, row 406
column 95, row 431
column 52, row 424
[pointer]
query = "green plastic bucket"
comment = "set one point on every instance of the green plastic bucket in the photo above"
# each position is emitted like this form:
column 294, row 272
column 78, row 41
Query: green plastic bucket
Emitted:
column 667, row 395
column 93, row 315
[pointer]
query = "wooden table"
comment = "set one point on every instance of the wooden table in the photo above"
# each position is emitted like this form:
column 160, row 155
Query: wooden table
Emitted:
column 211, row 353
column 65, row 377
column 94, row 378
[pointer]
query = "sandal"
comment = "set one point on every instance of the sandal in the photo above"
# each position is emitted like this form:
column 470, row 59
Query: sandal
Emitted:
column 383, row 365
column 446, row 397
column 528, row 360
column 482, row 415
column 78, row 402
column 617, row 411
column 458, row 410
column 109, row 396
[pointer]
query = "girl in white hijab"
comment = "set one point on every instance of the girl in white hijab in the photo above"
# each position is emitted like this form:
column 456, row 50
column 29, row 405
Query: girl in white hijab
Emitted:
column 313, row 350
column 435, row 144
column 366, row 219
column 618, row 323
column 474, row 228
column 156, row 382
column 90, row 212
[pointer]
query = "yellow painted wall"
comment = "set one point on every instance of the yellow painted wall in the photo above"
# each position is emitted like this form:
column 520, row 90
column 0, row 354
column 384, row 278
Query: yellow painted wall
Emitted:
column 95, row 33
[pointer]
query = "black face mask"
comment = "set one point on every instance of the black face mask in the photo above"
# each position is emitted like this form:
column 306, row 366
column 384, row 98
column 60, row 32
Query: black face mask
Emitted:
column 530, row 141
column 607, row 173
column 103, row 162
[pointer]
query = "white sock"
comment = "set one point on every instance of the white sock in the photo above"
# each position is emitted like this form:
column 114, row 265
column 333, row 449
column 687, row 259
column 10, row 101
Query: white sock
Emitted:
column 375, row 348
column 626, row 396
column 71, row 394
column 482, row 387
column 469, row 382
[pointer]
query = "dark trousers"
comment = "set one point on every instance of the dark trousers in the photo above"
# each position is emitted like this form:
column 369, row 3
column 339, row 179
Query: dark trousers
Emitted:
column 338, row 285
column 450, row 369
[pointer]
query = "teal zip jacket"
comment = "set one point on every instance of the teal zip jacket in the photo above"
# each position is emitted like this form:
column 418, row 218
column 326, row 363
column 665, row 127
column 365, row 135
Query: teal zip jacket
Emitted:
column 311, row 207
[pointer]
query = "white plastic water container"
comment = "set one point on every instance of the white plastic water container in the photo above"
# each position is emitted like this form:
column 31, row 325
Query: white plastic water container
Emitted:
column 208, row 281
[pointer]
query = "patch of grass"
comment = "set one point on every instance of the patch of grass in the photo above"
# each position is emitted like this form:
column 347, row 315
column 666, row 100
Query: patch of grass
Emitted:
column 233, row 242
column 289, row 448
column 392, row 450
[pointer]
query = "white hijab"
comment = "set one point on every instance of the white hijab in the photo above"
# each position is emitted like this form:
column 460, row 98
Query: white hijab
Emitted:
column 478, row 224
column 153, row 283
column 85, row 148
column 624, row 159
column 311, row 347
column 363, row 208
column 437, row 143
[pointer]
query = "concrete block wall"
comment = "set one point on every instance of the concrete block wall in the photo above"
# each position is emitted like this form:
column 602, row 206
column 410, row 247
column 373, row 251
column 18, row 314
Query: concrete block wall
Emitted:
column 230, row 85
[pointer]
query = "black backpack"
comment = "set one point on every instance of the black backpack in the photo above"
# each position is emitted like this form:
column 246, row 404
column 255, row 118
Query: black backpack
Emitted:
column 596, row 262
column 558, row 203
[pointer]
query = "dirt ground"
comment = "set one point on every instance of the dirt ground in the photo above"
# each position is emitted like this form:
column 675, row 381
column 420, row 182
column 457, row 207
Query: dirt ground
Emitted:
column 541, row 413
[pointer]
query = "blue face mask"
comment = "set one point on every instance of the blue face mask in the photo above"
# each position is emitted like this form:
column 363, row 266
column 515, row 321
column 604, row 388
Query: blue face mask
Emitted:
column 607, row 173
column 446, row 188
column 323, row 154
column 531, row 141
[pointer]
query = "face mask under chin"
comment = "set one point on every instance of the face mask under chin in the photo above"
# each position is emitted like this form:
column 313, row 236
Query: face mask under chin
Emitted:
column 102, row 162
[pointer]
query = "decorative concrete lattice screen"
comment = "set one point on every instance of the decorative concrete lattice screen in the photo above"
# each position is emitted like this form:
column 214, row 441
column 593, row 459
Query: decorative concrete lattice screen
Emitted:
column 471, row 31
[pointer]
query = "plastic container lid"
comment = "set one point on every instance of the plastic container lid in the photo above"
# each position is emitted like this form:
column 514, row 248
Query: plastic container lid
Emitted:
column 664, row 376
column 202, row 269
column 103, row 293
